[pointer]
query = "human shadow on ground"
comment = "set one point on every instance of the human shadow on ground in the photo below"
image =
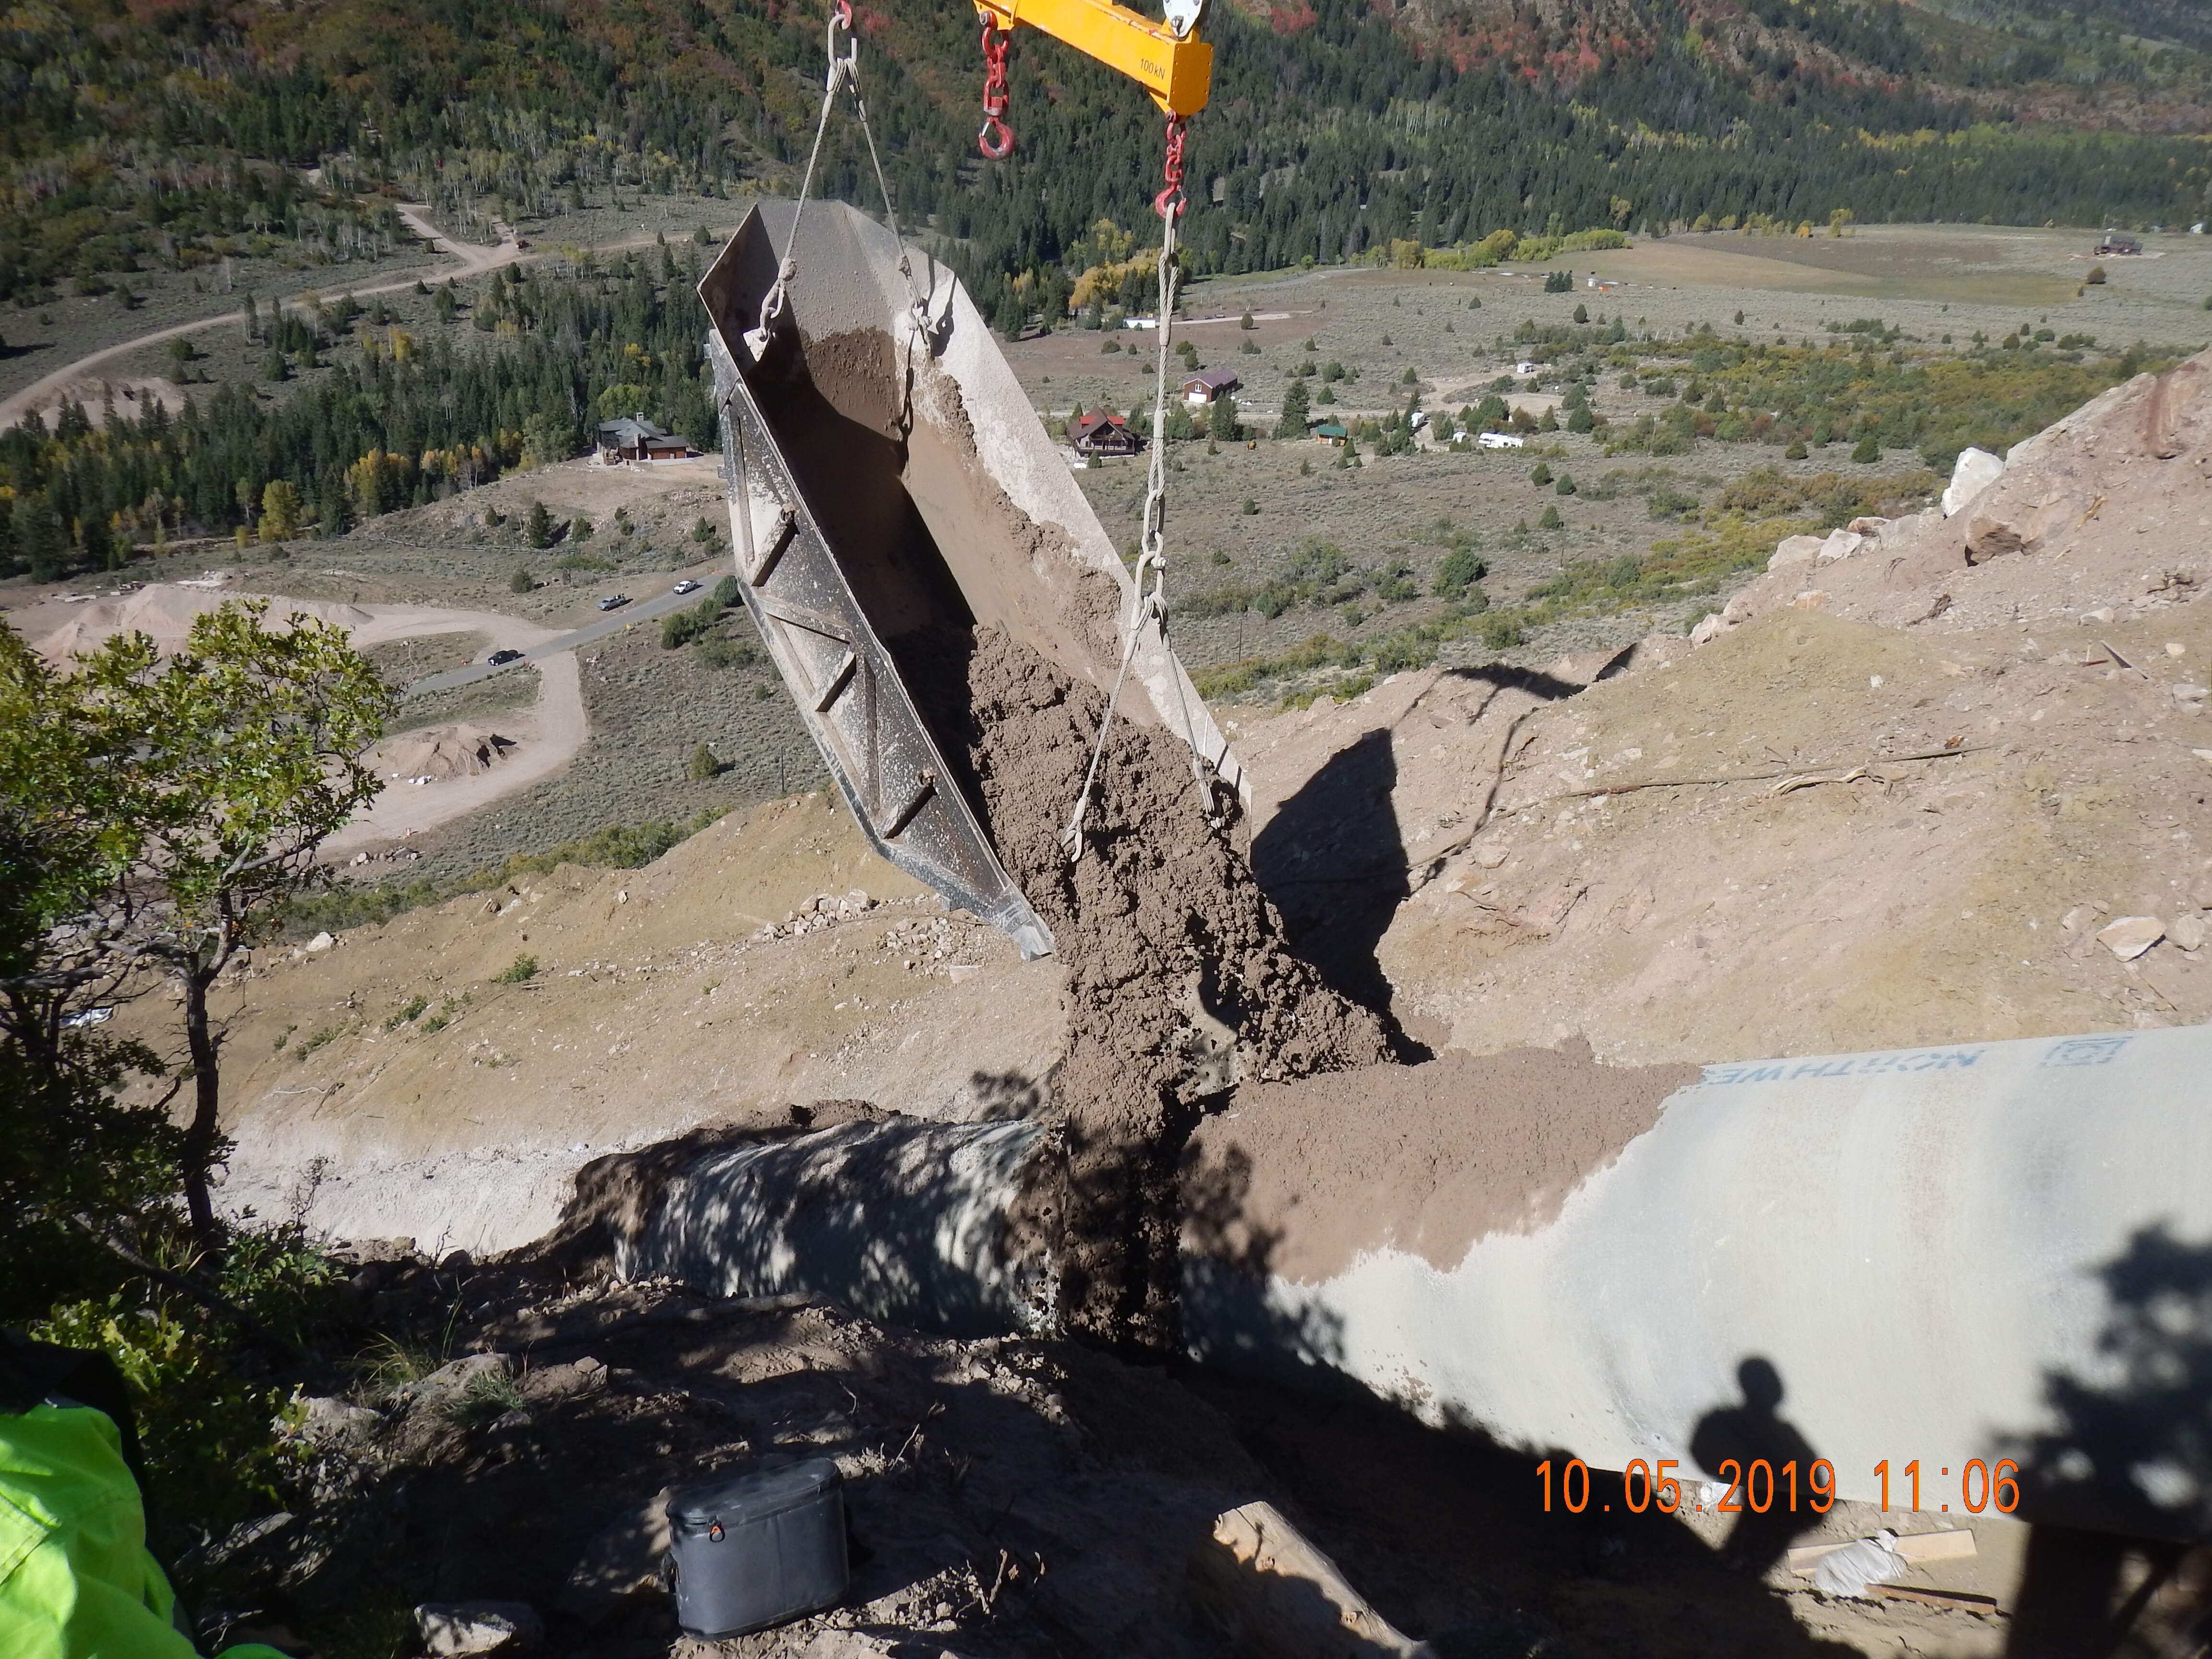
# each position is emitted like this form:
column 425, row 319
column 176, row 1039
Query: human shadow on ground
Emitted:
column 1446, row 1533
column 1443, row 1529
column 1730, row 1441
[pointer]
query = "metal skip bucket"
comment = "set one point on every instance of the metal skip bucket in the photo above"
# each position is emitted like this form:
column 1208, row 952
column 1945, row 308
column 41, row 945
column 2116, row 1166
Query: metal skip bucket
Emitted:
column 886, row 478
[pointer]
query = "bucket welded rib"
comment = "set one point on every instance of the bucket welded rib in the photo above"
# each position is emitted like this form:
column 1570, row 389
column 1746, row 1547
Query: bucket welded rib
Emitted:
column 890, row 490
column 849, row 691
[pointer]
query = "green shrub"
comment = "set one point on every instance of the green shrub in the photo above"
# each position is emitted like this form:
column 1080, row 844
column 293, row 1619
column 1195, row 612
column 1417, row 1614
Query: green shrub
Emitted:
column 715, row 651
column 521, row 581
column 522, row 970
column 486, row 1397
column 1459, row 570
column 215, row 1452
column 410, row 1010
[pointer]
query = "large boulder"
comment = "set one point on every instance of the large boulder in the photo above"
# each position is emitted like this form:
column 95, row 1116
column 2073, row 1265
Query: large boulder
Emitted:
column 1975, row 470
column 1795, row 550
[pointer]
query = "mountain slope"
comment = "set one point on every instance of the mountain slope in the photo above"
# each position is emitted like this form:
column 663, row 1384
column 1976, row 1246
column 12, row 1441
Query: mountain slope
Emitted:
column 173, row 131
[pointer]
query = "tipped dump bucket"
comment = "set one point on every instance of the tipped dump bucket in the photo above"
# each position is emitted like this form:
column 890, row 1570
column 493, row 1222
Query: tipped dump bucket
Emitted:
column 887, row 478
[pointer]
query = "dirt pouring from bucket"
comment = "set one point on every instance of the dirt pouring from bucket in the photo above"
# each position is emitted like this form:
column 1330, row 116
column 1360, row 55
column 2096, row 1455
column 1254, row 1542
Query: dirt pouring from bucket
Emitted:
column 1180, row 982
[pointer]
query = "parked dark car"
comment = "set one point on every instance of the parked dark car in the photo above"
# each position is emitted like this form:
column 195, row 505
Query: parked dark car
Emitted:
column 500, row 658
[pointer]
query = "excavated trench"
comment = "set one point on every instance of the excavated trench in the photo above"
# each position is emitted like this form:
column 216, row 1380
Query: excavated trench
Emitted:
column 1230, row 1159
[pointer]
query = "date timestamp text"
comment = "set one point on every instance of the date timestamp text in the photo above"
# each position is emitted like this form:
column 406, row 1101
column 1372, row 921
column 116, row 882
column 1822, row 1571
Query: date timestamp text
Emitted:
column 1762, row 1485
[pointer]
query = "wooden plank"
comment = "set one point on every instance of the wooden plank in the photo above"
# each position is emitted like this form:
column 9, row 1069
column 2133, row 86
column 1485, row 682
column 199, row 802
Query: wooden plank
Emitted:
column 1918, row 1548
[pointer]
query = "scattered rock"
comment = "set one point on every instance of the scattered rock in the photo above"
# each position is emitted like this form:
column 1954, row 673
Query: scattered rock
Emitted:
column 2188, row 931
column 858, row 1644
column 321, row 942
column 450, row 1381
column 451, row 1628
column 1840, row 545
column 1975, row 470
column 1795, row 550
column 2131, row 936
column 1259, row 1579
column 329, row 1421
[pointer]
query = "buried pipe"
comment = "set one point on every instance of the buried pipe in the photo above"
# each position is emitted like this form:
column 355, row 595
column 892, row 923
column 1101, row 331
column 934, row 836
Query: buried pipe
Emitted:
column 908, row 1222
column 1958, row 1257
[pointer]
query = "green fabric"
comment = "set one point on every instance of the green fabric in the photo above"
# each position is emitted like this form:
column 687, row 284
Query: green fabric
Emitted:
column 76, row 1579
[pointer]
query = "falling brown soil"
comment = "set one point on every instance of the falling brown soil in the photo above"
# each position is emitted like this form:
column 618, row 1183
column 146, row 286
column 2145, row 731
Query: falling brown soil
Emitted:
column 1298, row 1178
column 1170, row 950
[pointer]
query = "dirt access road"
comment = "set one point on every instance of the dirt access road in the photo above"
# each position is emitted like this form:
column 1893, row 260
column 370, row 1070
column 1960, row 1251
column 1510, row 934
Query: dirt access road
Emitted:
column 547, row 736
column 472, row 260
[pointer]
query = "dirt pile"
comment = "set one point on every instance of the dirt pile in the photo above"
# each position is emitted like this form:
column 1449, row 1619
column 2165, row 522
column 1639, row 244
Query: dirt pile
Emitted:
column 2109, row 509
column 166, row 612
column 1426, row 1158
column 1175, row 961
column 440, row 752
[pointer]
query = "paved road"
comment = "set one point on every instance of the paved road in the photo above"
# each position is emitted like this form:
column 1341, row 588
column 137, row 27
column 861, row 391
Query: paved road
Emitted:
column 599, row 627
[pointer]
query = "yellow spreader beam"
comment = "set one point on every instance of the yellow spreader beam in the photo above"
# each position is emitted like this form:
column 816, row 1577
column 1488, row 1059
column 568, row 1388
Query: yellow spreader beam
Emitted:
column 1178, row 72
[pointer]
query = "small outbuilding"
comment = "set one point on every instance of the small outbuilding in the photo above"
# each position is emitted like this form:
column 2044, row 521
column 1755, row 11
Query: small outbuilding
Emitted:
column 1208, row 385
column 2114, row 242
column 1330, row 433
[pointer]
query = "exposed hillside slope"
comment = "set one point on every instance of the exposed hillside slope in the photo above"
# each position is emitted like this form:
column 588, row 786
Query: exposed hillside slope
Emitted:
column 1900, row 803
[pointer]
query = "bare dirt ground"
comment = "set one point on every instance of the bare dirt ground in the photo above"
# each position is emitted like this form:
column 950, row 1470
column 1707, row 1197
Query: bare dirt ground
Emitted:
column 545, row 737
column 1897, row 808
column 1007, row 1498
column 661, row 997
column 1897, row 796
